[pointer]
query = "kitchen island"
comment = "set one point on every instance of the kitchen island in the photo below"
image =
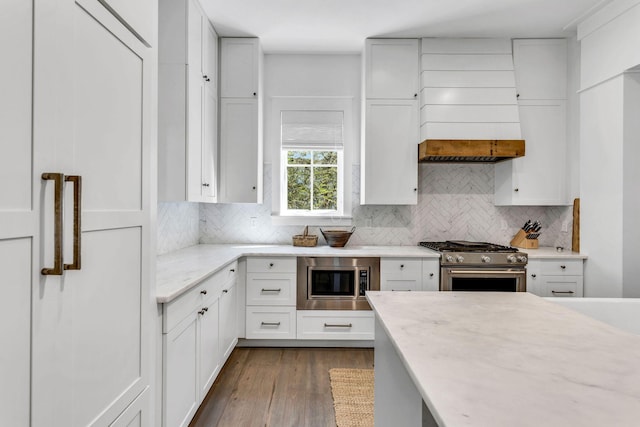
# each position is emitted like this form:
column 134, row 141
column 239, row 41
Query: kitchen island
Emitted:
column 499, row 359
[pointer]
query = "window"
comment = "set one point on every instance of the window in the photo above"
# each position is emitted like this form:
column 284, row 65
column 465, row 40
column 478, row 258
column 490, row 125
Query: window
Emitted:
column 312, row 159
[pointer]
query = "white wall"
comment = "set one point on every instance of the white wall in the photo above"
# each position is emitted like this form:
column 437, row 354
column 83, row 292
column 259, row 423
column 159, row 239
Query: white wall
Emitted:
column 609, row 177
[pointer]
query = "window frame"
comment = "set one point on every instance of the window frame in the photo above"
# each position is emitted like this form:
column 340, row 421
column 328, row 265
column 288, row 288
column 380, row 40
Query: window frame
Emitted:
column 279, row 104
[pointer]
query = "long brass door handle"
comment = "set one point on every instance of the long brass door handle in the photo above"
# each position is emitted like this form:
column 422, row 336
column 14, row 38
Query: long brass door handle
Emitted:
column 57, row 224
column 77, row 211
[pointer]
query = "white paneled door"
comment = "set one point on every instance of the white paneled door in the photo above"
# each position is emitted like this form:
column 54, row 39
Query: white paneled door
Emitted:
column 77, row 344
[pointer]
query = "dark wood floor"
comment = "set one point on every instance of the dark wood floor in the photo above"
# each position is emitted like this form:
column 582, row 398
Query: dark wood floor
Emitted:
column 277, row 387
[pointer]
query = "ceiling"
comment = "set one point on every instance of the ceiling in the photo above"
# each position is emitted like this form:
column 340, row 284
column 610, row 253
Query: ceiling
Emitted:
column 321, row 26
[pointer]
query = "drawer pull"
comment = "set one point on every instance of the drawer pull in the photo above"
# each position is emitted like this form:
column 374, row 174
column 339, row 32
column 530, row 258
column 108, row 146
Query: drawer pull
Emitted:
column 563, row 267
column 271, row 290
column 233, row 270
column 430, row 274
column 338, row 325
column 270, row 323
column 201, row 312
column 224, row 291
column 401, row 265
column 400, row 290
column 534, row 275
column 270, row 265
column 562, row 292
column 203, row 292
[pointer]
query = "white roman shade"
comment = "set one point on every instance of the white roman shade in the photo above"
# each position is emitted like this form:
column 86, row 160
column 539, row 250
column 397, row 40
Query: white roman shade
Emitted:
column 304, row 130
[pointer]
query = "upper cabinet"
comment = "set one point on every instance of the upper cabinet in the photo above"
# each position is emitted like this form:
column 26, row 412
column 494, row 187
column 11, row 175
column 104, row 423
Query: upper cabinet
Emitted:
column 187, row 103
column 241, row 150
column 391, row 69
column 389, row 146
column 540, row 178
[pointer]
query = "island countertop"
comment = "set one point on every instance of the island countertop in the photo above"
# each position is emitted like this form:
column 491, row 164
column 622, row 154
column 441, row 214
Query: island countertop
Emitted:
column 511, row 359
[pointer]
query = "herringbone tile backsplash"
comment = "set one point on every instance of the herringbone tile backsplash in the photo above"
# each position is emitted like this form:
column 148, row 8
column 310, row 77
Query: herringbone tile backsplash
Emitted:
column 455, row 201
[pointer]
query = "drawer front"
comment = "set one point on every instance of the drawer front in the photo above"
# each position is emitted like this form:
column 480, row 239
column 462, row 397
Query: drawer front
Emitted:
column 204, row 293
column 559, row 286
column 228, row 273
column 401, row 268
column 393, row 284
column 562, row 268
column 271, row 322
column 271, row 289
column 271, row 265
column 335, row 325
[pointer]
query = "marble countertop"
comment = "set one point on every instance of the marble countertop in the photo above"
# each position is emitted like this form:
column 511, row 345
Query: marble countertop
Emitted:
column 181, row 270
column 552, row 253
column 512, row 359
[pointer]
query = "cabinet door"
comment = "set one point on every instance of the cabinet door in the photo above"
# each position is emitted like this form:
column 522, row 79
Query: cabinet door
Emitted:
column 210, row 56
column 195, row 137
column 209, row 346
column 209, row 146
column 195, row 33
column 540, row 67
column 239, row 151
column 538, row 178
column 180, row 387
column 228, row 319
column 390, row 283
column 431, row 274
column 239, row 67
column 392, row 69
column 390, row 153
column 93, row 325
column 18, row 211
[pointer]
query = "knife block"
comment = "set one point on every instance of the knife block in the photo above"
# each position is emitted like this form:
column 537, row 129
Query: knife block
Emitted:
column 520, row 240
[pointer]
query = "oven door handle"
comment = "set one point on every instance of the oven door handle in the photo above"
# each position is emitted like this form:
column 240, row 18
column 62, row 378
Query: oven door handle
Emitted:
column 484, row 272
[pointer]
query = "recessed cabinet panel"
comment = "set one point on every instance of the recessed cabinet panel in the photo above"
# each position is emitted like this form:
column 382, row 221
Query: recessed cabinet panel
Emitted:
column 392, row 65
column 390, row 153
column 238, row 151
column 239, row 67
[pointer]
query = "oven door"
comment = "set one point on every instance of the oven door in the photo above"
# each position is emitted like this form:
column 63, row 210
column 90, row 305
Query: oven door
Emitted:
column 487, row 279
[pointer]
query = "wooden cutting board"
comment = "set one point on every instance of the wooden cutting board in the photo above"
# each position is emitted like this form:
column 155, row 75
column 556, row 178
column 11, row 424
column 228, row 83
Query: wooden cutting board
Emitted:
column 575, row 237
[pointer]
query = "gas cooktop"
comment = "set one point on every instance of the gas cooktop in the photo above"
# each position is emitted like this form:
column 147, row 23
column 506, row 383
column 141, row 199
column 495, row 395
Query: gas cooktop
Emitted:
column 464, row 246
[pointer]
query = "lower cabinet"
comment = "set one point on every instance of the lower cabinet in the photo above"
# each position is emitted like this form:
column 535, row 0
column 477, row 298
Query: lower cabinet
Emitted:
column 271, row 322
column 409, row 274
column 199, row 331
column 335, row 325
column 555, row 277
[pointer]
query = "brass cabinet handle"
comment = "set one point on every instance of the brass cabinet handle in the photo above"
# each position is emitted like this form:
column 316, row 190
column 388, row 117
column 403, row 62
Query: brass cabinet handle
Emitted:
column 77, row 230
column 57, row 223
column 338, row 325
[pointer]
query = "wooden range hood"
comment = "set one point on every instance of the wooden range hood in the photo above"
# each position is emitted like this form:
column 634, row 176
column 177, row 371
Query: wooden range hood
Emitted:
column 469, row 150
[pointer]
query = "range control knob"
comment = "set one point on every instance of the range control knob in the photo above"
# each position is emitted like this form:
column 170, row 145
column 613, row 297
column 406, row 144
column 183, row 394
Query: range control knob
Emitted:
column 485, row 259
column 511, row 258
column 449, row 258
column 522, row 258
column 460, row 258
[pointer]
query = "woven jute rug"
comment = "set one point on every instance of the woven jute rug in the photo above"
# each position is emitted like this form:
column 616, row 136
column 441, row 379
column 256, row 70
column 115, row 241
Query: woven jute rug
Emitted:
column 352, row 391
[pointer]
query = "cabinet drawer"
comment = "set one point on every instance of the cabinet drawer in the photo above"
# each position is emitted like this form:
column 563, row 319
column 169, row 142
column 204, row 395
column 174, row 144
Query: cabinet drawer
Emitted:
column 228, row 273
column 204, row 293
column 271, row 289
column 271, row 322
column 393, row 284
column 401, row 268
column 560, row 286
column 335, row 325
column 271, row 265
column 562, row 267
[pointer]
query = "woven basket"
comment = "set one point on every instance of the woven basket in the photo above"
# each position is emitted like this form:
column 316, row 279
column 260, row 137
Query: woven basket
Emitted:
column 337, row 238
column 305, row 239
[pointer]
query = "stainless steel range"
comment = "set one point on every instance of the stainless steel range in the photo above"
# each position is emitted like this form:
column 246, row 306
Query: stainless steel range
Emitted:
column 480, row 266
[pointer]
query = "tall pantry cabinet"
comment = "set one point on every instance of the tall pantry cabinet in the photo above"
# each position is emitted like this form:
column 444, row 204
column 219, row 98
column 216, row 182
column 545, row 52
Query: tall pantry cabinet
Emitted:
column 76, row 125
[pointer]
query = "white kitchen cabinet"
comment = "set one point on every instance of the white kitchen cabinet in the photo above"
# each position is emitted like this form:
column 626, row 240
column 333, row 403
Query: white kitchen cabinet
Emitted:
column 540, row 177
column 271, row 297
column 540, row 67
column 431, row 274
column 228, row 318
column 335, row 325
column 87, row 322
column 555, row 277
column 187, row 103
column 392, row 68
column 199, row 332
column 389, row 164
column 390, row 122
column 397, row 274
column 241, row 150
